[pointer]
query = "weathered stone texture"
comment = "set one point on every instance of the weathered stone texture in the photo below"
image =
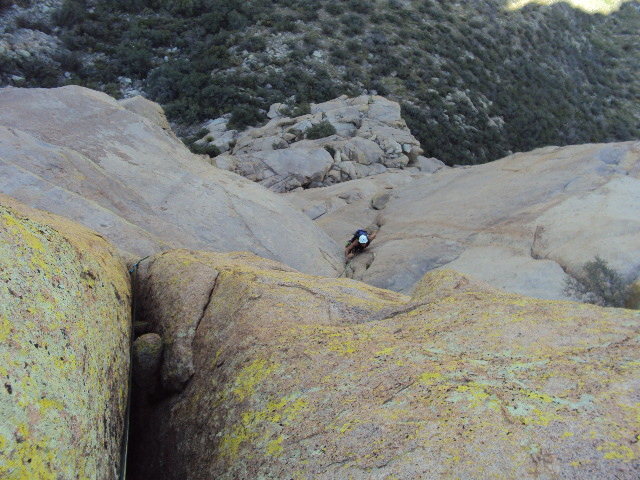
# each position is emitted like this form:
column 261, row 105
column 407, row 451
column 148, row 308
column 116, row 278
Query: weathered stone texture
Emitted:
column 370, row 137
column 79, row 153
column 304, row 377
column 521, row 223
column 64, row 348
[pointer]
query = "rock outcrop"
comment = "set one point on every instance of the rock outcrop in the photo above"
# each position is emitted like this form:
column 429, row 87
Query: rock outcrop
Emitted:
column 79, row 153
column 64, row 348
column 147, row 109
column 368, row 137
column 521, row 223
column 27, row 38
column 295, row 376
column 317, row 202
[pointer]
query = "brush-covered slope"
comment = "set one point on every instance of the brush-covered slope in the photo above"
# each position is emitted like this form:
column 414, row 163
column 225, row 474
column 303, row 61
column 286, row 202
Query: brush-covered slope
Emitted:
column 477, row 79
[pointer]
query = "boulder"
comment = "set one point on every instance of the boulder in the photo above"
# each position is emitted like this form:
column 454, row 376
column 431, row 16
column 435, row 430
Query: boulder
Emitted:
column 298, row 376
column 380, row 200
column 389, row 138
column 348, row 169
column 274, row 110
column 283, row 169
column 345, row 120
column 225, row 162
column 337, row 103
column 362, row 150
column 414, row 153
column 79, row 153
column 428, row 165
column 302, row 125
column 370, row 136
column 383, row 110
column 317, row 202
column 218, row 125
column 400, row 161
column 65, row 320
column 309, row 164
column 223, row 142
column 246, row 144
column 218, row 135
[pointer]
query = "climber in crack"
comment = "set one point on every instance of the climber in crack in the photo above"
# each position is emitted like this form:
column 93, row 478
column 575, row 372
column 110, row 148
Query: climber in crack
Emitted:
column 360, row 240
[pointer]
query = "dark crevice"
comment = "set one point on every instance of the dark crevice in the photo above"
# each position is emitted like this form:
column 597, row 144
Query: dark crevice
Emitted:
column 206, row 305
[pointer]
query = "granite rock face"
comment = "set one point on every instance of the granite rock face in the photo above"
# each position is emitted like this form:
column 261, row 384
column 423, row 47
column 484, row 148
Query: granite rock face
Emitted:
column 65, row 317
column 297, row 376
column 320, row 201
column 81, row 154
column 370, row 137
column 521, row 223
column 147, row 109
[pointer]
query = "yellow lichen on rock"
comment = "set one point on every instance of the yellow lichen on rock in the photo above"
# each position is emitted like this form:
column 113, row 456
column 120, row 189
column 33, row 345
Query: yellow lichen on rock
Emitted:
column 64, row 333
column 301, row 376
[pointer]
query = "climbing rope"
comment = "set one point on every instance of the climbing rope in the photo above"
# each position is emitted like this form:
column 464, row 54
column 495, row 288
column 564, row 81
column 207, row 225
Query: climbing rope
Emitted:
column 124, row 448
column 345, row 269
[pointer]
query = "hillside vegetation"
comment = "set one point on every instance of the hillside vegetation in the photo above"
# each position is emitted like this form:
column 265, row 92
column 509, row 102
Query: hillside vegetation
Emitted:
column 475, row 79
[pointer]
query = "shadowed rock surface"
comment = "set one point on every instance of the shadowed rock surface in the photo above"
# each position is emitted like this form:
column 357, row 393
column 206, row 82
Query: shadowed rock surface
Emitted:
column 79, row 153
column 64, row 348
column 518, row 223
column 297, row 376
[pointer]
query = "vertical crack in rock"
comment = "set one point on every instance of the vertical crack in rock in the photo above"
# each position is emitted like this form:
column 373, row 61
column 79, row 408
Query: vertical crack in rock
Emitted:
column 204, row 309
column 536, row 239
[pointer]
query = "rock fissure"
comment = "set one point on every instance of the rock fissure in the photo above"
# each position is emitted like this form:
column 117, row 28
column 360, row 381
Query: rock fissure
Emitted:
column 206, row 305
column 280, row 355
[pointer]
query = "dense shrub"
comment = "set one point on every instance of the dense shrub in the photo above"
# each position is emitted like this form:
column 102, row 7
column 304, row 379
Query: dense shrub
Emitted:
column 334, row 8
column 361, row 6
column 40, row 72
column 320, row 130
column 253, row 43
column 475, row 82
column 24, row 21
column 244, row 115
column 134, row 59
column 69, row 61
column 352, row 24
column 210, row 150
column 599, row 284
column 69, row 14
column 5, row 4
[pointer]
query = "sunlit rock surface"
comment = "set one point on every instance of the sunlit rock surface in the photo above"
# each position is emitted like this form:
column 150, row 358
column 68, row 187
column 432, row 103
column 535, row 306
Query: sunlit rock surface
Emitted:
column 366, row 136
column 304, row 377
column 520, row 223
column 64, row 348
column 81, row 154
column 589, row 6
